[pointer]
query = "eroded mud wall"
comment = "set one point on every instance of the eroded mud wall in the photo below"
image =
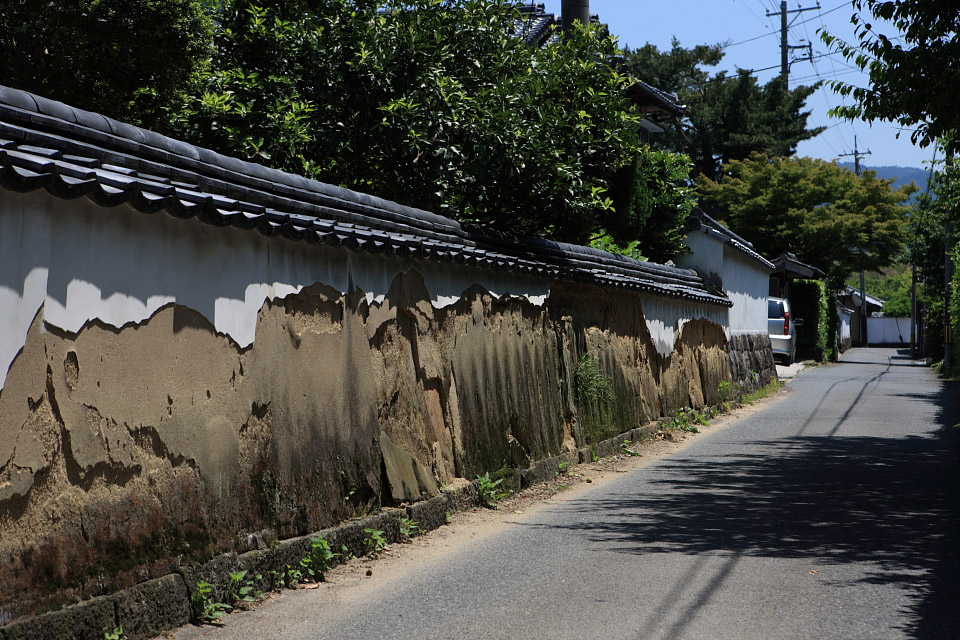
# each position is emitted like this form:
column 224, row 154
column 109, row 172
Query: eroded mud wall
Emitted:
column 128, row 445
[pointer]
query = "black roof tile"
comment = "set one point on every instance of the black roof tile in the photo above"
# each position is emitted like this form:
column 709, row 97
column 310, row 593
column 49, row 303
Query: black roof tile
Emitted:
column 73, row 153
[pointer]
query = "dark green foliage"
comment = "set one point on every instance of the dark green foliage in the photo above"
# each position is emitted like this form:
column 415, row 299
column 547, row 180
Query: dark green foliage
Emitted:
column 828, row 216
column 729, row 116
column 808, row 300
column 651, row 201
column 127, row 59
column 913, row 71
column 433, row 104
column 929, row 220
column 892, row 286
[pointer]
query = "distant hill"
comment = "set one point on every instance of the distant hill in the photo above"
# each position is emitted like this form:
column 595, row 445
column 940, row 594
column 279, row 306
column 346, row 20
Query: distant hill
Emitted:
column 901, row 175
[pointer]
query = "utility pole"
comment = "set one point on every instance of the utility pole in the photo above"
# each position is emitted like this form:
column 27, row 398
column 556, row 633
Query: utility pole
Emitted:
column 785, row 46
column 857, row 154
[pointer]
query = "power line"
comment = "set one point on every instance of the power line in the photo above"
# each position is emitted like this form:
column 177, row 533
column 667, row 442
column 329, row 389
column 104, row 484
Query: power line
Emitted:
column 762, row 35
column 773, row 33
column 785, row 46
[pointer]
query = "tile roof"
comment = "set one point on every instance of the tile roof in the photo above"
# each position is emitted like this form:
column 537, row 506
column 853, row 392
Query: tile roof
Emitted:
column 72, row 153
column 788, row 265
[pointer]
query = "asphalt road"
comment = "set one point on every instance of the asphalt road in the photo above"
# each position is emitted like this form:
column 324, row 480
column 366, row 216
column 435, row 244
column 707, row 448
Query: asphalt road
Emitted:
column 832, row 513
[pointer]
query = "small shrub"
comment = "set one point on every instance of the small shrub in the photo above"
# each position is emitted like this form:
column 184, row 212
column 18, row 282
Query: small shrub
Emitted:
column 292, row 577
column 488, row 492
column 239, row 590
column 374, row 541
column 685, row 420
column 116, row 634
column 205, row 610
column 563, row 467
column 409, row 528
column 318, row 560
column 626, row 449
column 594, row 397
column 724, row 391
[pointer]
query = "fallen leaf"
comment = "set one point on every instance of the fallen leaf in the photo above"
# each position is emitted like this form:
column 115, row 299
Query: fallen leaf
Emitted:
column 814, row 572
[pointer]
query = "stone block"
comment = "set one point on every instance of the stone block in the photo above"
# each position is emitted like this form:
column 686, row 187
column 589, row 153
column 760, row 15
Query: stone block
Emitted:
column 264, row 563
column 148, row 609
column 462, row 498
column 346, row 540
column 216, row 572
column 84, row 620
column 429, row 514
column 540, row 471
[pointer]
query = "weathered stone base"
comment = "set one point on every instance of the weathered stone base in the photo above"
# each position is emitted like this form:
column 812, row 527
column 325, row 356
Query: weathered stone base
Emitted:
column 751, row 361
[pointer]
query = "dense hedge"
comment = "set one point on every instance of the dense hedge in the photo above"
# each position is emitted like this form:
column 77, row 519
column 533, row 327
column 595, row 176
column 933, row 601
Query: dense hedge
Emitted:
column 808, row 299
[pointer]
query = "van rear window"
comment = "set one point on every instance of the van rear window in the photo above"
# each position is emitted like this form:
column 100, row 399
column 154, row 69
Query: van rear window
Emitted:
column 774, row 309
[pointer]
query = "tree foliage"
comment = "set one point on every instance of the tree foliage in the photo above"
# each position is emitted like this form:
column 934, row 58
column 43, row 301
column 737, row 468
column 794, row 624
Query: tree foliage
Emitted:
column 892, row 285
column 913, row 74
column 123, row 58
column 729, row 116
column 436, row 104
column 932, row 216
column 825, row 214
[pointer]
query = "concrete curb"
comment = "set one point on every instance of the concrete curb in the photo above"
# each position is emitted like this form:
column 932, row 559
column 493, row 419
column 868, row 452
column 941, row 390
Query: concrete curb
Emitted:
column 150, row 608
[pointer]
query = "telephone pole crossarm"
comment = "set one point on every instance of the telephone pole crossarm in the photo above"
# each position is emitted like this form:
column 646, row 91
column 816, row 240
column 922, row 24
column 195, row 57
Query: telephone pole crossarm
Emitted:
column 784, row 46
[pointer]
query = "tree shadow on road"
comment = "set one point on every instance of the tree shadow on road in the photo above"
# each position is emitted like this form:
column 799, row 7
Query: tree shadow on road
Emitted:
column 887, row 501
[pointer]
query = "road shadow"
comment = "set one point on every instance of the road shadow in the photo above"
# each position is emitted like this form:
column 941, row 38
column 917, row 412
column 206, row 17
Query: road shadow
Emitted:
column 887, row 501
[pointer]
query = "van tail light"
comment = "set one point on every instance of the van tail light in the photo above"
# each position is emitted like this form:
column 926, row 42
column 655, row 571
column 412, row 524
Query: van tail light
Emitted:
column 786, row 323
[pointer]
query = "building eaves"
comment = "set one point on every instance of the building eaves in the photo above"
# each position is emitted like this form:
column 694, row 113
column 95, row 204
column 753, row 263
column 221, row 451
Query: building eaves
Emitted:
column 788, row 265
column 698, row 220
column 73, row 153
column 654, row 101
column 872, row 301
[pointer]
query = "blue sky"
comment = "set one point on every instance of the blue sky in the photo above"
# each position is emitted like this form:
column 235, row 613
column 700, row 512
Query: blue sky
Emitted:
column 637, row 22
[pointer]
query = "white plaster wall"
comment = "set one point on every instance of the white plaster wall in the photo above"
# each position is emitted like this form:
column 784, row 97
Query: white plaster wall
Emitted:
column 705, row 256
column 888, row 330
column 665, row 318
column 747, row 283
column 79, row 261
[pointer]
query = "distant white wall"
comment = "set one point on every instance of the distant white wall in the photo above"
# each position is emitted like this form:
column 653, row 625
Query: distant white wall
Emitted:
column 78, row 261
column 845, row 338
column 888, row 331
column 665, row 318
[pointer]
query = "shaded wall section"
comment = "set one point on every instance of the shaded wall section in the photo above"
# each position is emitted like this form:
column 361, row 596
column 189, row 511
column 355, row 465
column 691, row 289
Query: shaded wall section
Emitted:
column 164, row 396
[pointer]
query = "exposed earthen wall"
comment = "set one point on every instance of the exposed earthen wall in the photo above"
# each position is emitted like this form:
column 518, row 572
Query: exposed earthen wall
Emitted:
column 127, row 449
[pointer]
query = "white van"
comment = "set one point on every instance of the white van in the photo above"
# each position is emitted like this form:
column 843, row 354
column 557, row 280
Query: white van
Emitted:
column 781, row 325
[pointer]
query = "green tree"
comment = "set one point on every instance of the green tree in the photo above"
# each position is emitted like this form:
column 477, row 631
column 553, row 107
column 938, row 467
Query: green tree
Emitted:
column 913, row 73
column 930, row 218
column 438, row 105
column 827, row 215
column 127, row 59
column 892, row 285
column 729, row 116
